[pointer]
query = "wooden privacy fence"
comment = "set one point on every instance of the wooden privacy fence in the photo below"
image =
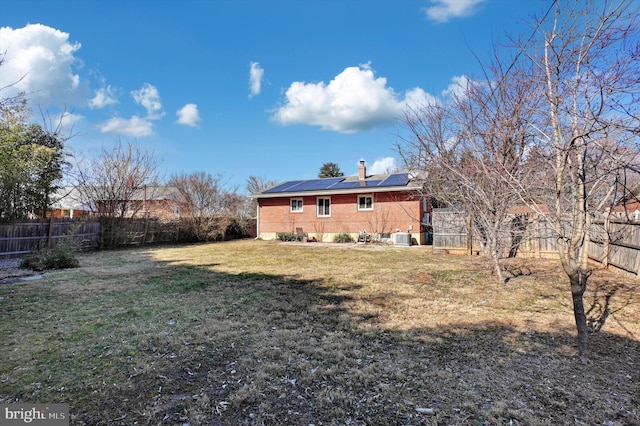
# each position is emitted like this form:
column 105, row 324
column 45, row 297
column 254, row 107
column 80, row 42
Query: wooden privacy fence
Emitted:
column 527, row 236
column 619, row 248
column 22, row 238
column 27, row 237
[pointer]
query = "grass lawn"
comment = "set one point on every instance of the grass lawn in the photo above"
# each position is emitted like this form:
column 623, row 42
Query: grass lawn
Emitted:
column 252, row 333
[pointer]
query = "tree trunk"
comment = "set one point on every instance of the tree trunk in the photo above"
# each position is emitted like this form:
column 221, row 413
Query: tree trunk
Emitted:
column 495, row 255
column 578, row 282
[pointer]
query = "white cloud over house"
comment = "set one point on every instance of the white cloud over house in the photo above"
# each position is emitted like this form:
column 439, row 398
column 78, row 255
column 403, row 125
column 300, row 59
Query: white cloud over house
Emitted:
column 40, row 61
column 354, row 101
column 442, row 11
column 383, row 166
column 188, row 115
column 256, row 74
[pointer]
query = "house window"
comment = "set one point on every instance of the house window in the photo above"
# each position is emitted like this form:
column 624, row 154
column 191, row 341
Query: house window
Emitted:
column 324, row 207
column 365, row 202
column 296, row 205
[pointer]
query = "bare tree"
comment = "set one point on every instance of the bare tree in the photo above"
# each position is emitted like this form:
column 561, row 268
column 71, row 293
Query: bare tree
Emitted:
column 584, row 55
column 557, row 127
column 463, row 149
column 256, row 184
column 207, row 203
column 111, row 183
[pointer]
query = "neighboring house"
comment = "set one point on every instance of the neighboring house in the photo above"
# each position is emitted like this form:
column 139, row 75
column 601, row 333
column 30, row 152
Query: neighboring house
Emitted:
column 379, row 204
column 68, row 204
column 628, row 207
column 152, row 201
column 627, row 210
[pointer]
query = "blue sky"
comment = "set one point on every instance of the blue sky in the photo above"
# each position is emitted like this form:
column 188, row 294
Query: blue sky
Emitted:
column 272, row 89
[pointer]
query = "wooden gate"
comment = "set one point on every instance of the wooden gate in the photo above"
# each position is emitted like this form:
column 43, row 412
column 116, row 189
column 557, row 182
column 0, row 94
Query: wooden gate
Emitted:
column 451, row 231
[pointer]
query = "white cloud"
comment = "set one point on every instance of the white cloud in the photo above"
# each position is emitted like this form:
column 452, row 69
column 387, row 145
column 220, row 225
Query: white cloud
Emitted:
column 383, row 166
column 355, row 100
column 256, row 73
column 457, row 87
column 188, row 115
column 149, row 97
column 67, row 121
column 443, row 10
column 105, row 96
column 417, row 98
column 39, row 60
column 135, row 126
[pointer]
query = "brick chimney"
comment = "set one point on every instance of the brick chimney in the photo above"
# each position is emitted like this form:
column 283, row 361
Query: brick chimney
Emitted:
column 362, row 170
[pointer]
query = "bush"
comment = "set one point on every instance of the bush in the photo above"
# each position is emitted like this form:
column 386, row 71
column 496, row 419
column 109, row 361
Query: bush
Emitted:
column 287, row 236
column 343, row 238
column 61, row 257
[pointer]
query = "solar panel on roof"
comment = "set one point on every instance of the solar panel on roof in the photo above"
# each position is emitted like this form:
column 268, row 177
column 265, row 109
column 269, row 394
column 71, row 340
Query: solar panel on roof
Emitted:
column 283, row 187
column 316, row 184
column 348, row 184
column 304, row 185
column 399, row 179
column 356, row 184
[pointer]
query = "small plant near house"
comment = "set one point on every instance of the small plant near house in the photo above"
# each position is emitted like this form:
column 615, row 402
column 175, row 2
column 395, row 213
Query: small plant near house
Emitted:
column 287, row 236
column 343, row 238
column 62, row 257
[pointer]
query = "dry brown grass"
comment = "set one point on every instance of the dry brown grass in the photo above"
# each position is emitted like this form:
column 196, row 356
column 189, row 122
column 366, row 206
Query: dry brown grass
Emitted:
column 254, row 332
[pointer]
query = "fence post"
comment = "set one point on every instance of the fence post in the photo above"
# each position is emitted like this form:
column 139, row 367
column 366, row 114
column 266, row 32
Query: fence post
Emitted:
column 50, row 235
column 469, row 237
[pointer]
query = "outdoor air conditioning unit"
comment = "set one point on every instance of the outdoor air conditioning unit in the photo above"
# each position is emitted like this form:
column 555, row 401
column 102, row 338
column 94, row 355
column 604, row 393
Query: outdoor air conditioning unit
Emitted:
column 402, row 239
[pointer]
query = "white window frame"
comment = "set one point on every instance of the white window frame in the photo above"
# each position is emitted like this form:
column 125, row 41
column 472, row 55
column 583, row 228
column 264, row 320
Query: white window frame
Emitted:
column 323, row 207
column 299, row 205
column 365, row 208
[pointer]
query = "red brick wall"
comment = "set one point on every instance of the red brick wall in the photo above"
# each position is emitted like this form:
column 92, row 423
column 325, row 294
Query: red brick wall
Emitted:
column 60, row 214
column 391, row 211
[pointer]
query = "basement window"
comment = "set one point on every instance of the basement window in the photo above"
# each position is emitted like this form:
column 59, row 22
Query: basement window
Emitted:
column 296, row 205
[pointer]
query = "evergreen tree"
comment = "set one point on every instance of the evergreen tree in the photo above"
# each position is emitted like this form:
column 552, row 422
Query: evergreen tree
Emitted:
column 330, row 170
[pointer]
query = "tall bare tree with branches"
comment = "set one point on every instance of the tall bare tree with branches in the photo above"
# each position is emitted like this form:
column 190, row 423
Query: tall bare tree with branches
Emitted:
column 558, row 126
column 584, row 56
column 207, row 203
column 111, row 181
column 464, row 146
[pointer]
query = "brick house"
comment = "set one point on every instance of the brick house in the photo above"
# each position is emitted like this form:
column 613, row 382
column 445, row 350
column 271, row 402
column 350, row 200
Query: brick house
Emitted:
column 67, row 203
column 628, row 208
column 160, row 202
column 379, row 204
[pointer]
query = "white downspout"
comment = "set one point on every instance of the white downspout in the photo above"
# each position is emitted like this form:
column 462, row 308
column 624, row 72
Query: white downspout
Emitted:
column 257, row 219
